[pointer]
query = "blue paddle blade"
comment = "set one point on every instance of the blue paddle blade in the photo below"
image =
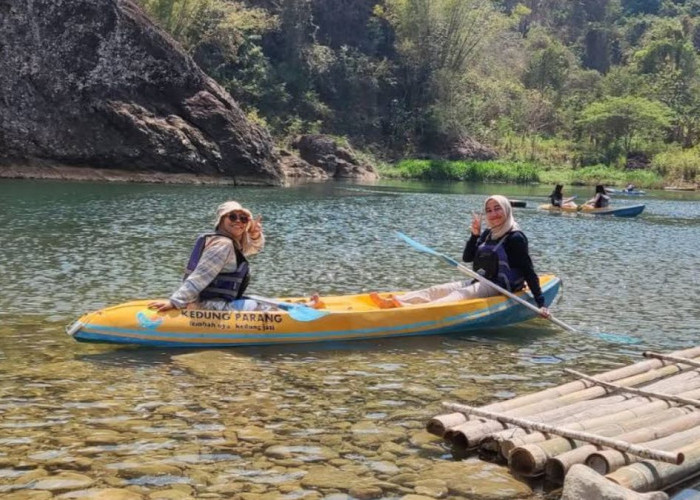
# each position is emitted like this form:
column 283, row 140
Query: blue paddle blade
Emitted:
column 305, row 313
column 298, row 312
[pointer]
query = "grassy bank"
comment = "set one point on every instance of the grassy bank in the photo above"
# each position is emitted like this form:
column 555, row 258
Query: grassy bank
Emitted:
column 522, row 173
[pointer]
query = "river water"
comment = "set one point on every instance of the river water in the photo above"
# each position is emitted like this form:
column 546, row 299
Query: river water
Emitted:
column 332, row 421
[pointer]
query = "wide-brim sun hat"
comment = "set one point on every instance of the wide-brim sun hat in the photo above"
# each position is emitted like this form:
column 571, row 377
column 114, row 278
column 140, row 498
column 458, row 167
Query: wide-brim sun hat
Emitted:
column 228, row 207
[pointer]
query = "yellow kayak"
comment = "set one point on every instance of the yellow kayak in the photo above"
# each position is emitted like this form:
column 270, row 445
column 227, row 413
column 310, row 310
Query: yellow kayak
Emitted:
column 345, row 317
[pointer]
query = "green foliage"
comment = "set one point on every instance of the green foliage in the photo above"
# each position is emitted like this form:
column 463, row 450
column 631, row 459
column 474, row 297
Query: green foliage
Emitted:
column 679, row 166
column 548, row 67
column 561, row 82
column 624, row 119
column 473, row 171
column 602, row 174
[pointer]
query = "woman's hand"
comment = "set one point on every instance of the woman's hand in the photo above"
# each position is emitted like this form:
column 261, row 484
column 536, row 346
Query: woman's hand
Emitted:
column 161, row 305
column 255, row 228
column 476, row 224
column 544, row 312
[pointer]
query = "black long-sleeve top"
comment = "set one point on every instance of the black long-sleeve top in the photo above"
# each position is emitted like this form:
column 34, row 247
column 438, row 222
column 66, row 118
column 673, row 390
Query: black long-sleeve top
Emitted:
column 518, row 258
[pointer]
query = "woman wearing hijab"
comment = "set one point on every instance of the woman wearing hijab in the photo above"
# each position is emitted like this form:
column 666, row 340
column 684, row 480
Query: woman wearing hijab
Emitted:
column 217, row 272
column 500, row 254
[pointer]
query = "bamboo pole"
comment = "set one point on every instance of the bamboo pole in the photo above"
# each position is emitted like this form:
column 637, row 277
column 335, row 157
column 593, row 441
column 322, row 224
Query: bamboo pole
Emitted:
column 651, row 475
column 471, row 436
column 671, row 358
column 532, row 459
column 436, row 425
column 656, row 436
column 584, row 436
column 439, row 424
column 684, row 431
column 626, row 414
column 638, row 392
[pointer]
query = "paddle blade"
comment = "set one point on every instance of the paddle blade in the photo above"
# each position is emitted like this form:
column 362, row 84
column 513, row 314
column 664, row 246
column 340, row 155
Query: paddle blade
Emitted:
column 298, row 312
column 305, row 313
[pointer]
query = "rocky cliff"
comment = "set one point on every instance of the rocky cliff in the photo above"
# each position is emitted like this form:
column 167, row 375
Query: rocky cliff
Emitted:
column 94, row 83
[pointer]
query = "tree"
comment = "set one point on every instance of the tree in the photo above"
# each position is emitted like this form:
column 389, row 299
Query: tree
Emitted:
column 625, row 119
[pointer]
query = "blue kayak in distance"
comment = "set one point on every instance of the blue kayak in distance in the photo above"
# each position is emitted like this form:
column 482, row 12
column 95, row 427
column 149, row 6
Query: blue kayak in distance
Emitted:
column 626, row 192
column 631, row 211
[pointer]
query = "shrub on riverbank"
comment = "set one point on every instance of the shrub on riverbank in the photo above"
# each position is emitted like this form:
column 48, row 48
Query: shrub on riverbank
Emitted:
column 678, row 167
column 522, row 172
column 472, row 171
column 601, row 174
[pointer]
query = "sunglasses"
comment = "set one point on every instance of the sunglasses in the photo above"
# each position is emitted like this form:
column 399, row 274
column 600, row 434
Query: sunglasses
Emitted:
column 233, row 217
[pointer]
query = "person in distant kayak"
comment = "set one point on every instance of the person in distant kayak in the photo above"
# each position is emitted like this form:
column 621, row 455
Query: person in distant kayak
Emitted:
column 630, row 187
column 217, row 272
column 601, row 198
column 500, row 254
column 557, row 198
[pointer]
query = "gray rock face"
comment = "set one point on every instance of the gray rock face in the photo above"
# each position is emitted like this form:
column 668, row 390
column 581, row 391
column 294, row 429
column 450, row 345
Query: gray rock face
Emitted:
column 95, row 83
column 322, row 151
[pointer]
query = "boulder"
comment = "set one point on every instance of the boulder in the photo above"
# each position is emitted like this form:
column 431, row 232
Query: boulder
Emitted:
column 94, row 83
column 468, row 148
column 338, row 162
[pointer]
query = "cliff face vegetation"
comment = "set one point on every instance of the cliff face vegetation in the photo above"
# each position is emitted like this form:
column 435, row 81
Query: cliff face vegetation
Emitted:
column 96, row 83
column 565, row 82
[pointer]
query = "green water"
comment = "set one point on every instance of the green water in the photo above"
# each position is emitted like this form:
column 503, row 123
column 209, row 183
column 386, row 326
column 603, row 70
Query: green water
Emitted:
column 205, row 424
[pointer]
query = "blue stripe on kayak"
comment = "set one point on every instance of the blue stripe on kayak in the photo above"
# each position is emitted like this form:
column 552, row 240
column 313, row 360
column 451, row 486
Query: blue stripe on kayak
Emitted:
column 92, row 332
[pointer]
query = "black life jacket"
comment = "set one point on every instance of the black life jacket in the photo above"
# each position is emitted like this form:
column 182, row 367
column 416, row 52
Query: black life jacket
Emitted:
column 226, row 285
column 556, row 199
column 602, row 201
column 491, row 262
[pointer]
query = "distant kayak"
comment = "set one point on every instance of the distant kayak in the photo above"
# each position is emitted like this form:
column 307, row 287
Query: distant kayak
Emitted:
column 626, row 192
column 632, row 211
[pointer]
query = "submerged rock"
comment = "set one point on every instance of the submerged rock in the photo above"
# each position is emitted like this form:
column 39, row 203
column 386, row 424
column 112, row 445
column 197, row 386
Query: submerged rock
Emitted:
column 95, row 83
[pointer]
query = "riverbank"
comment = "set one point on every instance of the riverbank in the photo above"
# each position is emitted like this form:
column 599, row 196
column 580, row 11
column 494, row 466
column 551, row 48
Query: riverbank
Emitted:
column 430, row 170
column 525, row 173
column 48, row 171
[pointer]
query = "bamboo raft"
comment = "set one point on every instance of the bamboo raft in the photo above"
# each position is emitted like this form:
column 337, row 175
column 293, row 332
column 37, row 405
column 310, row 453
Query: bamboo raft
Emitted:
column 638, row 425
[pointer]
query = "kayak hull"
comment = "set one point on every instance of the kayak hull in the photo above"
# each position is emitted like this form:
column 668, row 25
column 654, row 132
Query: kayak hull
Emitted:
column 631, row 211
column 351, row 317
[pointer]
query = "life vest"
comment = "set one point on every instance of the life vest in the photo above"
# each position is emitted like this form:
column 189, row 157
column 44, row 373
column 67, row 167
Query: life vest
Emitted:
column 556, row 199
column 228, row 285
column 602, row 201
column 491, row 261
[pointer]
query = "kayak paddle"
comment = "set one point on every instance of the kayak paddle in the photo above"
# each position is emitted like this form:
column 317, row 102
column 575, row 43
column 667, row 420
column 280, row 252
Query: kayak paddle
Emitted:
column 611, row 337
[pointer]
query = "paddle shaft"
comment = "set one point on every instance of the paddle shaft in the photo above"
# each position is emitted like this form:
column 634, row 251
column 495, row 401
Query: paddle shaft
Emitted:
column 505, row 292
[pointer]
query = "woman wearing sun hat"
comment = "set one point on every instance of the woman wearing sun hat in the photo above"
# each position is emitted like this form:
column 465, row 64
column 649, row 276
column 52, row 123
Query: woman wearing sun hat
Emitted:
column 499, row 253
column 217, row 272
